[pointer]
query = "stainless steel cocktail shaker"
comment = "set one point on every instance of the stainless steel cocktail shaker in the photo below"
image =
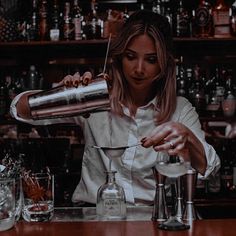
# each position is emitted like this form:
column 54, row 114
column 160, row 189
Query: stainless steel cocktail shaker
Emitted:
column 65, row 101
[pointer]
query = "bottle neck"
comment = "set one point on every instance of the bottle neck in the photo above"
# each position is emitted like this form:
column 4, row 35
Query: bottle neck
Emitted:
column 111, row 176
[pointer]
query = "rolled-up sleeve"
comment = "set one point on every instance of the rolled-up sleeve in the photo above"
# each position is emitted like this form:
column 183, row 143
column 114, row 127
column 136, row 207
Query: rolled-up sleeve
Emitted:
column 189, row 117
column 14, row 114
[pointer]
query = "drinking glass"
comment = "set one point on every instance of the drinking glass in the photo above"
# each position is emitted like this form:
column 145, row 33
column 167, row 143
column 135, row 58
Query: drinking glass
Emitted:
column 38, row 197
column 18, row 197
column 7, row 203
column 172, row 167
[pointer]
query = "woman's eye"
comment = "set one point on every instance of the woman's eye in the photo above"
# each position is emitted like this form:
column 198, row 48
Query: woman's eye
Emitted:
column 129, row 56
column 152, row 60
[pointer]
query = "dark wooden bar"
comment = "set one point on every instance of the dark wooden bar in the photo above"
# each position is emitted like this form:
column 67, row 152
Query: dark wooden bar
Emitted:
column 219, row 227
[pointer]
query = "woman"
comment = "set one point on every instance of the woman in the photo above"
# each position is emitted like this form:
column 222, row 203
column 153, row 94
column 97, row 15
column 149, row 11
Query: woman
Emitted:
column 144, row 107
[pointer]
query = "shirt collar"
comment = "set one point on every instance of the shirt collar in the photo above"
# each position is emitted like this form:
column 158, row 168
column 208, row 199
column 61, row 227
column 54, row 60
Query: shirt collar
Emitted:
column 151, row 104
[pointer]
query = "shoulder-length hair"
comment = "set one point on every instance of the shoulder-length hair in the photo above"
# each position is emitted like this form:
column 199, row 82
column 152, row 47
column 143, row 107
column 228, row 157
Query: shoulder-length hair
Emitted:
column 158, row 28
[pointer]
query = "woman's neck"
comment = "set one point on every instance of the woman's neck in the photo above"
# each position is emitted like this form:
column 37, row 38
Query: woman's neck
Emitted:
column 139, row 99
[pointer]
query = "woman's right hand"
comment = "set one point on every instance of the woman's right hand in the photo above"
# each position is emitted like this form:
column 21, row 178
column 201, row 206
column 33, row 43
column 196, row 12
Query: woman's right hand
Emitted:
column 76, row 79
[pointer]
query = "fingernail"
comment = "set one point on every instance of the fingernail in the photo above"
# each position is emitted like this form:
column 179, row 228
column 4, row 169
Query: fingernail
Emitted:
column 143, row 139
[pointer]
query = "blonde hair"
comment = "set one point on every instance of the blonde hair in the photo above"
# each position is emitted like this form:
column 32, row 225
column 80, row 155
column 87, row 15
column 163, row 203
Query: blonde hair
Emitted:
column 158, row 28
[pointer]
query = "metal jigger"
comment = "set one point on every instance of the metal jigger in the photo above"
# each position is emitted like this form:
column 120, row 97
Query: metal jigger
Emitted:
column 189, row 186
column 160, row 208
column 179, row 200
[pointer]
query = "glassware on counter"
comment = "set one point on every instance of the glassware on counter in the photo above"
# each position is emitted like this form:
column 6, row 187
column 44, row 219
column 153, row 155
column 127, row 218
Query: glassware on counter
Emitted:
column 111, row 202
column 173, row 167
column 38, row 196
column 7, row 203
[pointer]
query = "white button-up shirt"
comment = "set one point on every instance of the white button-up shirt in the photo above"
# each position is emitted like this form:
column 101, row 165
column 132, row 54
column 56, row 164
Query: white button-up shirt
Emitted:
column 134, row 167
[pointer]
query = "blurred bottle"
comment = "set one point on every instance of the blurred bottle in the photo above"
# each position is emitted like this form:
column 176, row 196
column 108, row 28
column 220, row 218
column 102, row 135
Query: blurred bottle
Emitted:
column 229, row 102
column 197, row 93
column 181, row 79
column 33, row 25
column 43, row 21
column 93, row 24
column 181, row 21
column 55, row 22
column 202, row 20
column 3, row 98
column 221, row 19
column 77, row 20
column 233, row 19
column 157, row 7
column 33, row 78
column 215, row 94
column 226, row 171
column 67, row 22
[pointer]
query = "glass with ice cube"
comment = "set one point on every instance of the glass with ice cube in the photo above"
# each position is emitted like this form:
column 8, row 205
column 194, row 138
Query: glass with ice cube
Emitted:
column 7, row 203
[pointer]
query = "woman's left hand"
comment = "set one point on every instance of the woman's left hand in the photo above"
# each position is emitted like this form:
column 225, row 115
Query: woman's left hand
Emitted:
column 171, row 137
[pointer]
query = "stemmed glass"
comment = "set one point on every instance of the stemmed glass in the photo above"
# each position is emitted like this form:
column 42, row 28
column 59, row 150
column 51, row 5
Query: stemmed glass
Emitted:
column 172, row 167
column 114, row 151
column 111, row 200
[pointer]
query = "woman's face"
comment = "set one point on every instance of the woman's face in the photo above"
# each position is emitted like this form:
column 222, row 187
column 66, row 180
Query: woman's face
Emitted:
column 140, row 64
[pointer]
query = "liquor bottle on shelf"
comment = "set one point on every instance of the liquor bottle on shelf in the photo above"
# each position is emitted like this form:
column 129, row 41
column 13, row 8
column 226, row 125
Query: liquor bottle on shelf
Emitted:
column 181, row 79
column 233, row 19
column 221, row 19
column 202, row 20
column 67, row 22
column 33, row 24
column 215, row 94
column 55, row 22
column 43, row 21
column 93, row 29
column 33, row 78
column 3, row 98
column 111, row 202
column 77, row 20
column 197, row 91
column 168, row 12
column 181, row 21
column 229, row 102
column 157, row 7
column 226, row 172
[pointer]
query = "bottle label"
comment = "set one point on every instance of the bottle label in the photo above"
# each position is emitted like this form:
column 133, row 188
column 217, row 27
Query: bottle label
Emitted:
column 221, row 22
column 203, row 17
column 112, row 206
column 54, row 34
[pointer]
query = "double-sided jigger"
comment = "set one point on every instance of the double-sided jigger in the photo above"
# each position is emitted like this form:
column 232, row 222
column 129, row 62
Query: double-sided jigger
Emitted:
column 189, row 187
column 179, row 195
column 160, row 208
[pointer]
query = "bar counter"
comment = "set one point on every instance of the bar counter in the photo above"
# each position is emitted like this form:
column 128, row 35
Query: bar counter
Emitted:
column 83, row 222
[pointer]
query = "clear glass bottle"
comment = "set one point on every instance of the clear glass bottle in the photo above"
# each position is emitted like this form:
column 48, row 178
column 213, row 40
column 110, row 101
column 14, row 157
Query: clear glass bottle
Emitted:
column 182, row 21
column 55, row 21
column 111, row 202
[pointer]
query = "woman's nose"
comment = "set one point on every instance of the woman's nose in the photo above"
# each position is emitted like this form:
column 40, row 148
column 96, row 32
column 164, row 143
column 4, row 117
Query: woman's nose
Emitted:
column 139, row 66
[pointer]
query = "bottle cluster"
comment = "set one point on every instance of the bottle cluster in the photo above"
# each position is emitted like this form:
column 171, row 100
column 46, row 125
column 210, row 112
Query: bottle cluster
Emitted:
column 62, row 20
column 213, row 93
column 224, row 182
column 203, row 20
column 12, row 84
column 71, row 20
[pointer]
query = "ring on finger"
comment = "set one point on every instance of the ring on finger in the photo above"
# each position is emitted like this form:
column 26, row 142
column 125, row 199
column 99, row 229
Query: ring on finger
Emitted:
column 172, row 146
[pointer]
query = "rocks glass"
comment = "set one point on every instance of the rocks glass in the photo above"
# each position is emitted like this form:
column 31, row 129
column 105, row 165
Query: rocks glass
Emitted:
column 38, row 197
